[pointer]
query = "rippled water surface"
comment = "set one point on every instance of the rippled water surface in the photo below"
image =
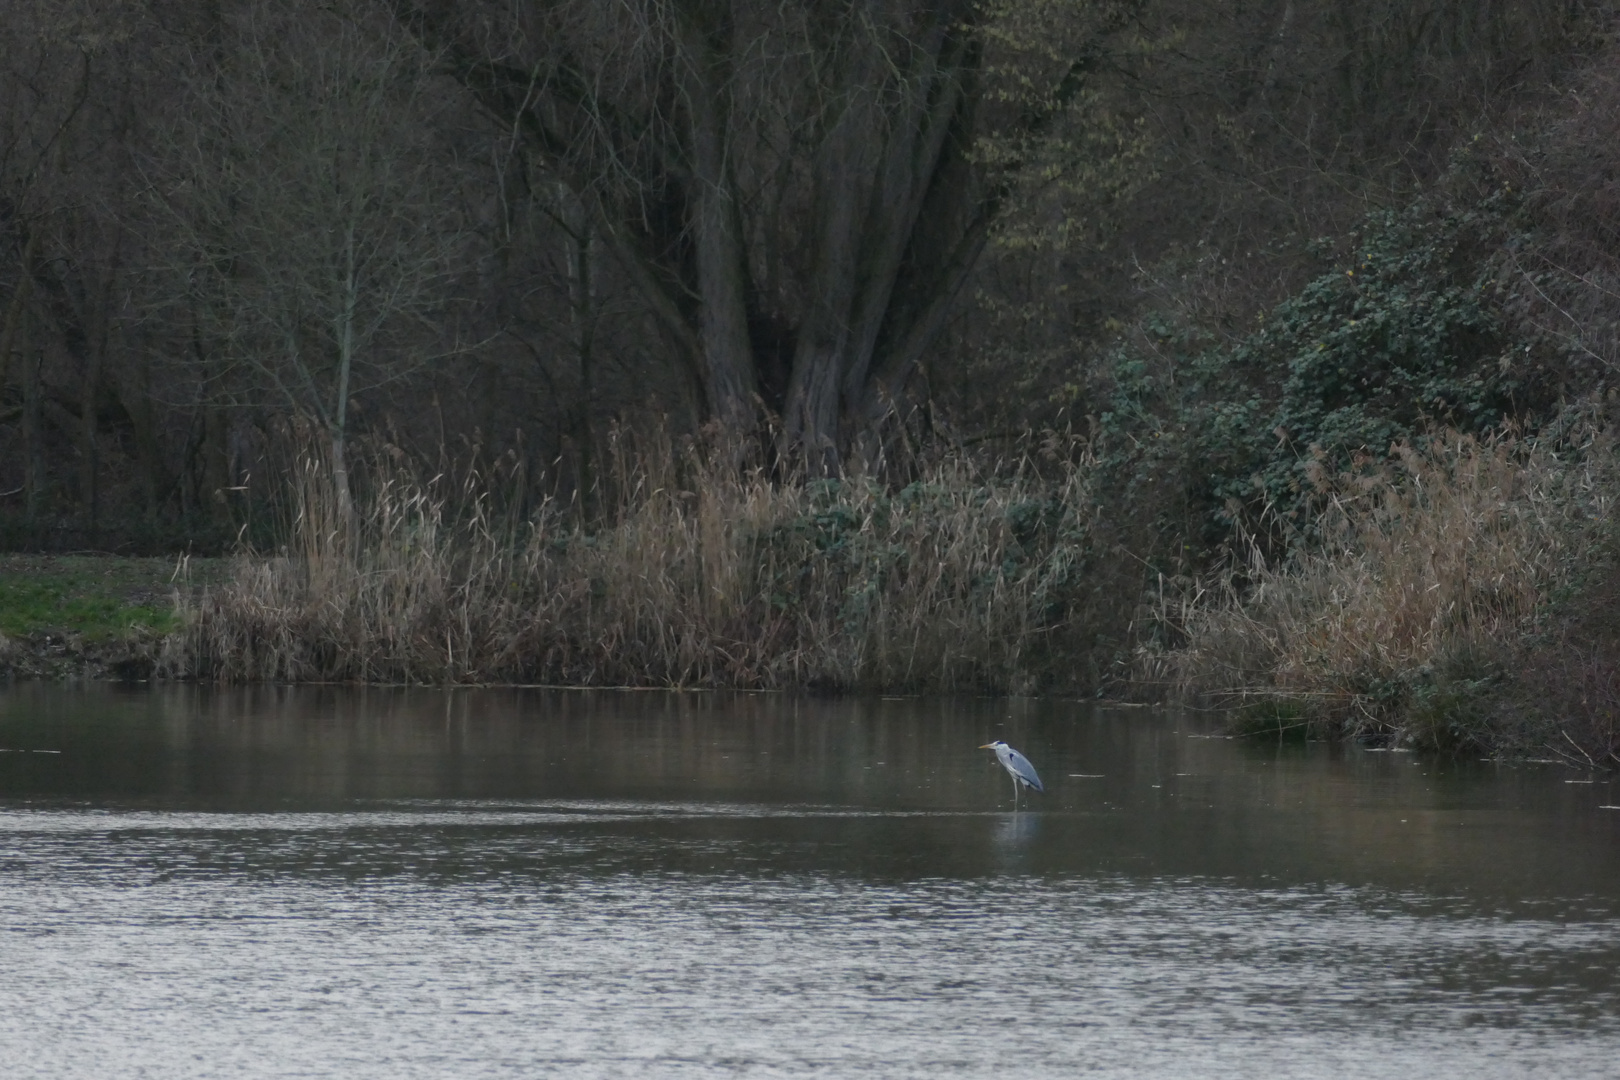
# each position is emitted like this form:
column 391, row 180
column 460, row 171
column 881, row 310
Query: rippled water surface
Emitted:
column 505, row 883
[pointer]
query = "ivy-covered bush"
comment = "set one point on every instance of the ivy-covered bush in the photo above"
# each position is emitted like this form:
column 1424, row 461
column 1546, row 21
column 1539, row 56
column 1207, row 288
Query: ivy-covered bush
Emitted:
column 1401, row 337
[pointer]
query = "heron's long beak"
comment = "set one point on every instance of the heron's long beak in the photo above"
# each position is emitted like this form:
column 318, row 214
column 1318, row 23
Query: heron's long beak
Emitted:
column 988, row 746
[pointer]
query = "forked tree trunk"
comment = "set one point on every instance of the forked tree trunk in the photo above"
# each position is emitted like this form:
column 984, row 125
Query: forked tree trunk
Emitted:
column 883, row 270
column 878, row 248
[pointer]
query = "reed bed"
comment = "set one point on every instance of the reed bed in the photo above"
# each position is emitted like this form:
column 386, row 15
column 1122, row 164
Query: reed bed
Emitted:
column 1412, row 612
column 695, row 574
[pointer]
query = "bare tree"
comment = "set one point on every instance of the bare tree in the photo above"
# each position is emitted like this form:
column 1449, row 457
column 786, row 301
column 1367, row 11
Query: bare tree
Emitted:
column 319, row 220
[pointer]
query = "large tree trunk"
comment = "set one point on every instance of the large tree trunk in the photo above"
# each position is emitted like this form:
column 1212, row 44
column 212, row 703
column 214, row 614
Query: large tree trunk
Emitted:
column 877, row 259
column 729, row 381
column 844, row 185
column 848, row 191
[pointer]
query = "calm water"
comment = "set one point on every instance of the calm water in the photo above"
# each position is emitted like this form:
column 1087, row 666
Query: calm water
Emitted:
column 500, row 883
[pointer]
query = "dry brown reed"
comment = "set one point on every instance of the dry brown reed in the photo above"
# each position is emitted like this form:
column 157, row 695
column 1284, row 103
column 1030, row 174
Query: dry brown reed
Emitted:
column 1405, row 613
column 694, row 573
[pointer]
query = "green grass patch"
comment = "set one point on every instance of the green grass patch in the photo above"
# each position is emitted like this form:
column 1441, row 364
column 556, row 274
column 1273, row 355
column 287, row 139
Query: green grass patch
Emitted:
column 98, row 597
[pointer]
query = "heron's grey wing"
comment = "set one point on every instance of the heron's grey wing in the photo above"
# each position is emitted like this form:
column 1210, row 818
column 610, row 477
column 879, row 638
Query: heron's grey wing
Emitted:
column 1019, row 766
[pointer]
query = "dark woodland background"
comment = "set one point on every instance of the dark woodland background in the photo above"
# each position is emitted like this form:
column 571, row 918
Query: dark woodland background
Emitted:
column 1213, row 239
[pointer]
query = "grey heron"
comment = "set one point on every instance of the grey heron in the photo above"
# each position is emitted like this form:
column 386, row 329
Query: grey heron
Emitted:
column 1017, row 766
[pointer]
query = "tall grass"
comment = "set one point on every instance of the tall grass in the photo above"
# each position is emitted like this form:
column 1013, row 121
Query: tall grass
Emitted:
column 694, row 573
column 1416, row 605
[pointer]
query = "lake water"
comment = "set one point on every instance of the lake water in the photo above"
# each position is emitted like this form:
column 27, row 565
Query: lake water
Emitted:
column 400, row 884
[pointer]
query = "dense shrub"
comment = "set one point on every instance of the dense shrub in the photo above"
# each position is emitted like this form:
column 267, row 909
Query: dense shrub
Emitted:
column 1400, row 337
column 1433, row 582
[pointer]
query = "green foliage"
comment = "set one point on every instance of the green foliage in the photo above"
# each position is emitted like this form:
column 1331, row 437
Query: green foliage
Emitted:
column 1452, row 716
column 1403, row 338
column 1443, row 706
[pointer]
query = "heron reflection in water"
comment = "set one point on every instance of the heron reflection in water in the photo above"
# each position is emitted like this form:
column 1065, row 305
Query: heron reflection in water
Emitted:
column 1017, row 766
column 1014, row 833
